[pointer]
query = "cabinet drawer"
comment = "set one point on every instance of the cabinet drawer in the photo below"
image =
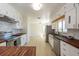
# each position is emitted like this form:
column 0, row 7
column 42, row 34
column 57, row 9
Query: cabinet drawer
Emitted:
column 64, row 48
column 69, row 6
column 68, row 50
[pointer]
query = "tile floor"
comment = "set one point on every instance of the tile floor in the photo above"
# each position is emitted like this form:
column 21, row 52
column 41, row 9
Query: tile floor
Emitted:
column 42, row 48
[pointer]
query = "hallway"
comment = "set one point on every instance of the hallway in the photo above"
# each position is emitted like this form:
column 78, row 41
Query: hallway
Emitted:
column 42, row 48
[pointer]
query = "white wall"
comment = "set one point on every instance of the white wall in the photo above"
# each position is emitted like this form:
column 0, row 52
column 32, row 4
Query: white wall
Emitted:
column 36, row 27
column 73, row 32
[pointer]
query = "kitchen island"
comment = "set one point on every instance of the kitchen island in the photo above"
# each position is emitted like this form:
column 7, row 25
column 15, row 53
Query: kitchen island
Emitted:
column 14, row 40
column 17, row 51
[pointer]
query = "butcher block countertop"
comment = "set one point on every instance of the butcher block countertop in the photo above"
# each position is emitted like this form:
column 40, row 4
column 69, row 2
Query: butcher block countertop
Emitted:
column 17, row 51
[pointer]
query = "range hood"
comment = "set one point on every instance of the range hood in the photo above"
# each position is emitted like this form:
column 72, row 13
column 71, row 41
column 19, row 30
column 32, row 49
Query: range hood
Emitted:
column 7, row 19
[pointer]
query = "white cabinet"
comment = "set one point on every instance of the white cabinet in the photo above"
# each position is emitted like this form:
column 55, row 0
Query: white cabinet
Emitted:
column 68, row 50
column 2, row 9
column 3, row 44
column 69, row 6
column 72, row 15
column 77, row 6
column 11, row 12
column 23, row 39
column 51, row 40
column 70, row 19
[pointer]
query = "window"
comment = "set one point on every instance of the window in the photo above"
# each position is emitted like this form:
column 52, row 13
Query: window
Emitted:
column 61, row 26
column 64, row 27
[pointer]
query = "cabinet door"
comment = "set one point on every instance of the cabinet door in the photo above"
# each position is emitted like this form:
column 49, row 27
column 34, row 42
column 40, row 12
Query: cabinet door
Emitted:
column 23, row 40
column 18, row 42
column 68, row 50
column 3, row 44
column 11, row 43
column 69, row 6
column 70, row 19
column 77, row 6
column 51, row 40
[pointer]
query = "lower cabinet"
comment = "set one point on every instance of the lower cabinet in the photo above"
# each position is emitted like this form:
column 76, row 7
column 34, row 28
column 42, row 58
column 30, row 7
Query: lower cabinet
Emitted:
column 10, row 43
column 51, row 41
column 17, row 42
column 3, row 44
column 68, row 50
column 23, row 39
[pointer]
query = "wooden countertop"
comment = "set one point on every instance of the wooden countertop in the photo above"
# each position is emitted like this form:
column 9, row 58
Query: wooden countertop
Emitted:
column 17, row 51
column 73, row 42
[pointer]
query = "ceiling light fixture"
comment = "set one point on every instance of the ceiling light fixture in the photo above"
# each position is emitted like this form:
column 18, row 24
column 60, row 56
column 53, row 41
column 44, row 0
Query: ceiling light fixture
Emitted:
column 36, row 6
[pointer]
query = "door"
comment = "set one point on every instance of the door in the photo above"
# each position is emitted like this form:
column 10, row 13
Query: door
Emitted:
column 36, row 29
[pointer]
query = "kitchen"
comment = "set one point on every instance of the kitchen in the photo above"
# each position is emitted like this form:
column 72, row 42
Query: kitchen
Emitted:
column 64, row 38
column 56, row 23
column 11, row 32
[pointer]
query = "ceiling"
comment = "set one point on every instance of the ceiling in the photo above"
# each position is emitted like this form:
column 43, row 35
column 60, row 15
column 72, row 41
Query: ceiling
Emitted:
column 26, row 8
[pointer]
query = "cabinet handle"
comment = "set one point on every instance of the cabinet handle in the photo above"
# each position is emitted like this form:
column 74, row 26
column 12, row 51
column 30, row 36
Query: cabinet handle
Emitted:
column 69, row 19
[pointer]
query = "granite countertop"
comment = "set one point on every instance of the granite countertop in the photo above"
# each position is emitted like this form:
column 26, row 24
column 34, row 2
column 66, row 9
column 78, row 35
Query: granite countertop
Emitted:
column 74, row 42
column 13, row 38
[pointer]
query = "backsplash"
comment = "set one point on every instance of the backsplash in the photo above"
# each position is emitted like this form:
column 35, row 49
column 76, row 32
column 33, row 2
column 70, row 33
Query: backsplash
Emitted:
column 4, row 26
column 73, row 32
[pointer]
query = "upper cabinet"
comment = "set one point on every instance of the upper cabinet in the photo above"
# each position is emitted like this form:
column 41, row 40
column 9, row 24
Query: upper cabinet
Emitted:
column 70, row 19
column 77, row 7
column 69, row 6
column 8, row 10
column 72, row 16
column 71, row 13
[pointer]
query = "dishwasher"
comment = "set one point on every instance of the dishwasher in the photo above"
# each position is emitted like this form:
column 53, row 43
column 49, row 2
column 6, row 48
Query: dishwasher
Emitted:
column 57, row 46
